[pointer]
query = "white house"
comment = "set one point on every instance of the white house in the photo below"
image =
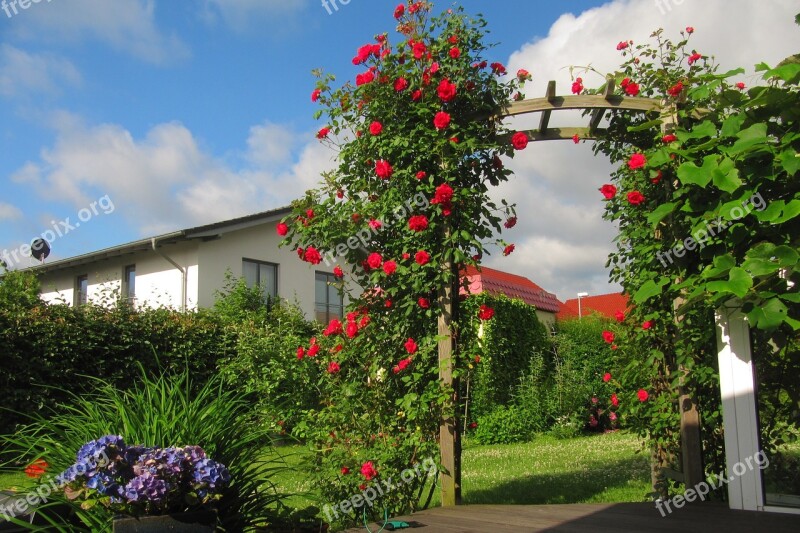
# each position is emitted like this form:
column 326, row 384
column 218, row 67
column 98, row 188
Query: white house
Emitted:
column 184, row 269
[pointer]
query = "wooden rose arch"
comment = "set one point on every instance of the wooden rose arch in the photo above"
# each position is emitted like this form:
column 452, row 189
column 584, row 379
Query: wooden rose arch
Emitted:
column 736, row 371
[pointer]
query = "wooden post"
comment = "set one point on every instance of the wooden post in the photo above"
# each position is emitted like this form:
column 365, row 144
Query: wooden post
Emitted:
column 449, row 438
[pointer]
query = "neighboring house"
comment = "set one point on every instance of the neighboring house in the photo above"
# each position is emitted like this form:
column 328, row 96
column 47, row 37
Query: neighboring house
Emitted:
column 184, row 269
column 604, row 304
column 498, row 282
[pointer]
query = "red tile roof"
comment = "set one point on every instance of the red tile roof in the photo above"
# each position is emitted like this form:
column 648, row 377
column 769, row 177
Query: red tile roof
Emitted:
column 498, row 282
column 605, row 304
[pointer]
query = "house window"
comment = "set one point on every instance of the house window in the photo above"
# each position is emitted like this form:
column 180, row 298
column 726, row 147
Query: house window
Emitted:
column 261, row 274
column 329, row 301
column 81, row 290
column 129, row 284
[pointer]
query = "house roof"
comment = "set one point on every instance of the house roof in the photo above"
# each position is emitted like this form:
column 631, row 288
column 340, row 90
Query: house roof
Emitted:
column 207, row 231
column 605, row 304
column 514, row 286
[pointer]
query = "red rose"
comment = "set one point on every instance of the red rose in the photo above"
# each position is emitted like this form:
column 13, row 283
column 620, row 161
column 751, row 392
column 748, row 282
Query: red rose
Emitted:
column 455, row 53
column 323, row 132
column 576, row 139
column 620, row 316
column 477, row 359
column 497, row 68
column 608, row 336
column 642, row 394
column 419, row 49
column 375, row 224
column 446, row 90
column 366, row 77
column 524, row 75
column 312, row 256
column 376, row 128
column 485, row 312
column 410, row 346
column 443, row 194
column 400, row 84
column 351, row 330
column 647, row 325
column 368, row 470
column 406, row 255
column 390, row 267
column 606, row 377
column 637, row 161
column 694, row 58
column 608, row 191
column 301, row 352
column 473, row 425
column 399, row 11
column 421, row 175
column 632, row 89
column 614, row 400
column 441, row 120
column 422, row 257
column 508, row 249
column 345, row 470
column 333, row 367
column 510, row 223
column 577, row 86
column 338, row 272
column 383, row 169
column 668, row 138
column 740, row 85
column 519, row 140
column 315, row 95
column 374, row 260
column 689, row 29
column 424, row 303
column 403, row 364
column 334, row 328
column 282, row 229
column 635, row 198
column 313, row 350
column 676, row 90
column 622, row 45
column 418, row 223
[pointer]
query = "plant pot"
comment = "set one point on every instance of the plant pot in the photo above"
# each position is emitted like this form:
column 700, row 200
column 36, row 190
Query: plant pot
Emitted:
column 199, row 522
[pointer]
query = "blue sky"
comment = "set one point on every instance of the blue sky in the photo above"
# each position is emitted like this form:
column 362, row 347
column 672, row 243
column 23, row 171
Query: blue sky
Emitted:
column 185, row 112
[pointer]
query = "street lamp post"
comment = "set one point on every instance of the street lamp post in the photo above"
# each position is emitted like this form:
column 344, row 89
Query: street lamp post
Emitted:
column 581, row 295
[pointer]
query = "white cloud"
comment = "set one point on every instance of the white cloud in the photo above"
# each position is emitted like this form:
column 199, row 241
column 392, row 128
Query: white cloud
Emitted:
column 9, row 212
column 126, row 25
column 23, row 73
column 165, row 181
column 562, row 243
column 245, row 15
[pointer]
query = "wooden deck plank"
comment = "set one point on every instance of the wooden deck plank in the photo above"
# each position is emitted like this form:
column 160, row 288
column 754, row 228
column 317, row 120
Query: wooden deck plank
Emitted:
column 595, row 518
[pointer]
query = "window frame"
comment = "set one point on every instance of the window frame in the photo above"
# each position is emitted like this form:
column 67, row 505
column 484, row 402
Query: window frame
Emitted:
column 258, row 262
column 81, row 297
column 329, row 280
column 126, row 285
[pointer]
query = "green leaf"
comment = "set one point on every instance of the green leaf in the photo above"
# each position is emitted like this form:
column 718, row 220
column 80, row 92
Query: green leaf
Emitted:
column 722, row 264
column 785, row 72
column 770, row 315
column 691, row 174
column 649, row 289
column 790, row 161
column 659, row 158
column 701, row 131
column 660, row 212
column 789, row 211
column 726, row 177
column 786, row 255
column 739, row 282
column 646, row 125
column 732, row 125
column 749, row 138
column 759, row 267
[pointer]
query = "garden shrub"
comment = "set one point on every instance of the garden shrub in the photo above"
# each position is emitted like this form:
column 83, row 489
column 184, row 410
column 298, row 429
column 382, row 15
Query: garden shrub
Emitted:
column 503, row 425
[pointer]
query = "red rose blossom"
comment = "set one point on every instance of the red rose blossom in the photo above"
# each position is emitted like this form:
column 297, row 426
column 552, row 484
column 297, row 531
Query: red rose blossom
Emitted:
column 576, row 139
column 323, row 132
column 416, row 96
column 689, row 29
column 345, row 470
column 312, row 256
column 313, row 350
column 282, row 229
column 421, row 175
column 637, row 161
column 455, row 52
column 694, row 58
column 608, row 191
column 301, row 352
column 508, row 249
column 519, row 140
column 642, row 395
column 446, row 90
column 422, row 257
column 315, row 95
column 383, row 169
column 443, row 194
column 608, row 336
column 740, row 85
column 632, row 89
column 338, row 272
column 334, row 328
column 390, row 267
column 374, row 260
column 614, row 400
column 622, row 45
column 485, row 312
column 418, row 223
column 619, row 315
column 368, row 470
column 399, row 11
column 523, row 75
column 498, row 68
column 668, row 138
column 510, row 223
column 635, row 198
column 400, row 84
column 606, row 377
column 333, row 367
column 410, row 346
column 376, row 128
column 676, row 90
column 441, row 120
column 647, row 324
column 423, row 303
column 577, row 86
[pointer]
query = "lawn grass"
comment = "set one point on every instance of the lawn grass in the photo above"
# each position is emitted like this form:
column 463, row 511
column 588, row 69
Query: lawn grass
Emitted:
column 602, row 468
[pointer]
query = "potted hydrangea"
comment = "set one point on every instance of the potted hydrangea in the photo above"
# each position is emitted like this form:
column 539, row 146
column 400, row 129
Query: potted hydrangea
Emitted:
column 154, row 489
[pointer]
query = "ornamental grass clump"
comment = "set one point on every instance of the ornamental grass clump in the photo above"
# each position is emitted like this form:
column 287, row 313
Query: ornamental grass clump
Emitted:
column 137, row 480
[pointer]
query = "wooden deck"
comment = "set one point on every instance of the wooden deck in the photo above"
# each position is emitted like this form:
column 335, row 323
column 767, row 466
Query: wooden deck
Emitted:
column 594, row 518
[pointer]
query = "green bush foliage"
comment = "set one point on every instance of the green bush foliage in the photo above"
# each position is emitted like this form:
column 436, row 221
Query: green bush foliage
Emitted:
column 503, row 425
